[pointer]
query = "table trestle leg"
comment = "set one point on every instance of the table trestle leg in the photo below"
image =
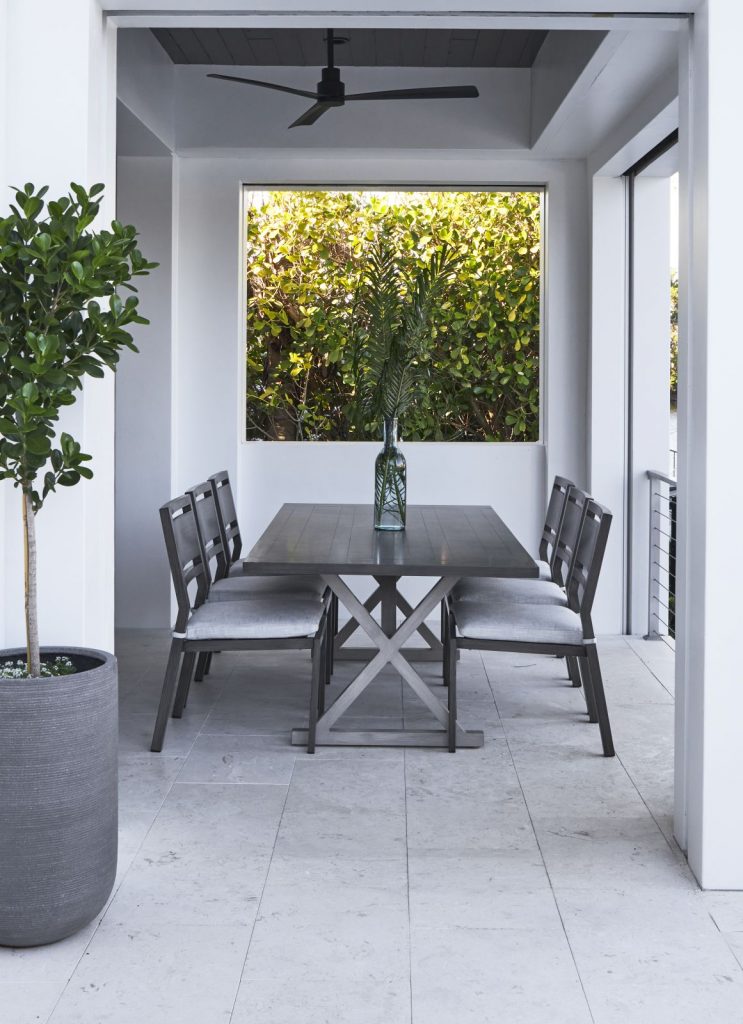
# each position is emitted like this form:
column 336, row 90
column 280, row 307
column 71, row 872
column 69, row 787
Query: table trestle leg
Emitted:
column 388, row 639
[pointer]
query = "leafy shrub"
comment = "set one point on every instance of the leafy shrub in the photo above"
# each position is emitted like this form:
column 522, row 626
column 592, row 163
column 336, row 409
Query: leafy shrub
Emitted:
column 18, row 669
column 674, row 335
column 306, row 252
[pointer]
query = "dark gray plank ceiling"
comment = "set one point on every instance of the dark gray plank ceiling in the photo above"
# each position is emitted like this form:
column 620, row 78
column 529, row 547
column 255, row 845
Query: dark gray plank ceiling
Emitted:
column 419, row 48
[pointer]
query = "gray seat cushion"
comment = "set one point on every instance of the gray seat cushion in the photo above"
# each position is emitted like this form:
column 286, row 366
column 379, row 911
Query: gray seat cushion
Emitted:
column 240, row 586
column 509, row 591
column 276, row 616
column 522, row 623
column 545, row 573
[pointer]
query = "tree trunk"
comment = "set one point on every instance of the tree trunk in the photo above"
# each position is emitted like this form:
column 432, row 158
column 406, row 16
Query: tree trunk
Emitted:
column 33, row 658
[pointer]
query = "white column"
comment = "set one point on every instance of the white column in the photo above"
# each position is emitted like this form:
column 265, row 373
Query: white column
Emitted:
column 143, row 403
column 606, row 390
column 651, row 373
column 709, row 662
column 565, row 340
column 58, row 121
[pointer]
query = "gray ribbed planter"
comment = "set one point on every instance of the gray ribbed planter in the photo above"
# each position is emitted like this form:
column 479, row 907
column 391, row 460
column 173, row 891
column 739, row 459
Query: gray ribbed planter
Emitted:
column 58, row 798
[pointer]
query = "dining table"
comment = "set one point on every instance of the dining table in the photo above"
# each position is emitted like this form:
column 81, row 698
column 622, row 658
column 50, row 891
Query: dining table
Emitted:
column 338, row 541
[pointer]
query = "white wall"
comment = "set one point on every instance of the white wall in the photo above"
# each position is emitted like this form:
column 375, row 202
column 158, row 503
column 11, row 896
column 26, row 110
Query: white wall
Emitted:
column 208, row 356
column 5, row 494
column 607, row 390
column 146, row 83
column 651, row 376
column 562, row 57
column 710, row 695
column 71, row 138
column 143, row 407
column 249, row 115
column 619, row 89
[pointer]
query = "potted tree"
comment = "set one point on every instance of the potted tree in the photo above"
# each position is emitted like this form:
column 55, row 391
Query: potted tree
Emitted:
column 61, row 319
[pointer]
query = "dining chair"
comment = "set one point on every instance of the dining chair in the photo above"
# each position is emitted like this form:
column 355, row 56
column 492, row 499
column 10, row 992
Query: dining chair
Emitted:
column 540, row 591
column 227, row 517
column 224, row 501
column 552, row 522
column 536, row 591
column 550, row 569
column 550, row 629
column 222, row 586
column 264, row 621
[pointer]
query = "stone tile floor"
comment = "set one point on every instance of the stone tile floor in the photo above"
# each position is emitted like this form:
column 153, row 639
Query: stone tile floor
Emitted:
column 530, row 881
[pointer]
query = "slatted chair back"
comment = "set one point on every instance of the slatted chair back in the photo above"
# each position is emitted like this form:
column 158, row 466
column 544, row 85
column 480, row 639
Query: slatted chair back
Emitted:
column 553, row 518
column 589, row 555
column 184, row 555
column 210, row 530
column 567, row 538
column 225, row 503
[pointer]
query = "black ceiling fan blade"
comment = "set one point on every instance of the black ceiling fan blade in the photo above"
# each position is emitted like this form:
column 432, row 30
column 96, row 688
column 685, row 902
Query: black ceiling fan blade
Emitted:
column 311, row 115
column 267, row 85
column 444, row 92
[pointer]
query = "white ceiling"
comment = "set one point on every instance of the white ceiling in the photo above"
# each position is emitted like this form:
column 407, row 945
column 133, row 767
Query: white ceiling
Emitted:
column 582, row 89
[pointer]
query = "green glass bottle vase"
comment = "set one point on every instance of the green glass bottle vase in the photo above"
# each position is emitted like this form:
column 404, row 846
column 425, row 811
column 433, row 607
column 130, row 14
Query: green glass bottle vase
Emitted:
column 389, row 482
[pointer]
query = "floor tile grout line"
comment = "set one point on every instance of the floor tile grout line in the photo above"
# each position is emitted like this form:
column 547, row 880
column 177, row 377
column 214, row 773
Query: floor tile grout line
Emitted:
column 115, row 891
column 646, row 664
column 263, row 891
column 724, row 936
column 407, row 881
column 672, row 844
column 156, row 815
column 539, row 847
column 738, row 960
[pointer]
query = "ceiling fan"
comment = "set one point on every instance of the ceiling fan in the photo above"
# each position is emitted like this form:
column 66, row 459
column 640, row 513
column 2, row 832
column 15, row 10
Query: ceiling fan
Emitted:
column 331, row 92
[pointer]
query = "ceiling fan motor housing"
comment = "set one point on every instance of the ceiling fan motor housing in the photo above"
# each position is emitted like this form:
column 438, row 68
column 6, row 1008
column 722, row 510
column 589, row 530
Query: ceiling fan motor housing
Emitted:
column 330, row 89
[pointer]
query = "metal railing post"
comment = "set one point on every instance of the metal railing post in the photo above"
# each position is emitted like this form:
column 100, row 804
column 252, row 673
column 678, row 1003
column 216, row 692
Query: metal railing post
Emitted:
column 661, row 573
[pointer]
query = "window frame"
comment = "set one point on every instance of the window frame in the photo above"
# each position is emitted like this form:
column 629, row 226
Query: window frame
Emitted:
column 541, row 188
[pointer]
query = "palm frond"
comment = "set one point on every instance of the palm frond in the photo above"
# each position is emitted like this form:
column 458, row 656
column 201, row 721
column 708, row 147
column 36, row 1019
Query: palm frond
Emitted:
column 392, row 320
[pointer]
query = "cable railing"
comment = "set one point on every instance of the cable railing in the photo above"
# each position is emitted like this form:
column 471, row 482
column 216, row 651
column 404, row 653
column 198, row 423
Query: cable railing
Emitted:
column 662, row 560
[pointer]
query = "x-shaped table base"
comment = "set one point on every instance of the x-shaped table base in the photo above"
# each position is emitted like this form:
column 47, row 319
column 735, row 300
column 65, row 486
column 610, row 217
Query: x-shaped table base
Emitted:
column 388, row 653
column 389, row 597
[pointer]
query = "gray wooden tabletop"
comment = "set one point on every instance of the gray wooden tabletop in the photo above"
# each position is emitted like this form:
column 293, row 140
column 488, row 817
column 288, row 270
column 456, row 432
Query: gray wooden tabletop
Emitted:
column 440, row 540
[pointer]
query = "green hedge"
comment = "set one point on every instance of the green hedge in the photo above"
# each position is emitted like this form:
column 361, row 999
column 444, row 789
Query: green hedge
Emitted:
column 305, row 256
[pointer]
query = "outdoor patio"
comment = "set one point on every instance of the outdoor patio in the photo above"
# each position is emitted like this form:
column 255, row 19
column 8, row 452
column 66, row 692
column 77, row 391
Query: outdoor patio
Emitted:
column 532, row 880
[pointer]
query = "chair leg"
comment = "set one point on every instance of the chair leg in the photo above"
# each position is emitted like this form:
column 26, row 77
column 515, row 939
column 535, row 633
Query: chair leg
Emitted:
column 445, row 661
column 166, row 696
column 201, row 663
column 334, row 631
column 573, row 670
column 451, row 657
column 599, row 697
column 208, row 668
column 184, row 683
column 324, row 669
column 330, row 632
column 315, row 692
column 587, row 690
